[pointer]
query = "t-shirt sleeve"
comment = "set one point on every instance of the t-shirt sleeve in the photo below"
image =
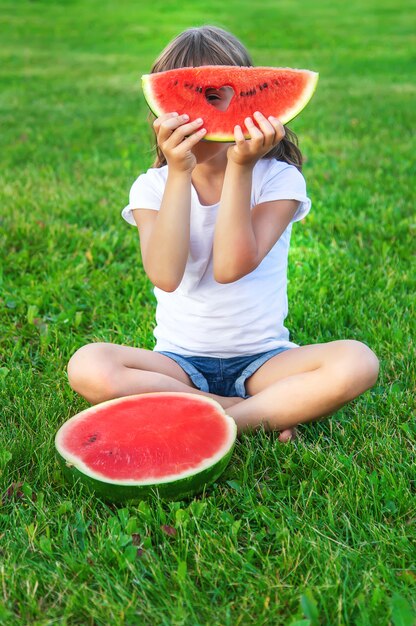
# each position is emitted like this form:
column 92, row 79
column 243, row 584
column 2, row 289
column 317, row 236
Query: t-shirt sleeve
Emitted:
column 285, row 183
column 145, row 193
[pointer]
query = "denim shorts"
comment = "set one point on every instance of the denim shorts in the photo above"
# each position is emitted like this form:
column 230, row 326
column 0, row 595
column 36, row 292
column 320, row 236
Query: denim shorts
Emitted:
column 224, row 377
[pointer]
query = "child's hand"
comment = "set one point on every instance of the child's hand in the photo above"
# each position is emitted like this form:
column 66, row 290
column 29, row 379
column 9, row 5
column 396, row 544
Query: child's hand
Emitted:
column 262, row 140
column 176, row 138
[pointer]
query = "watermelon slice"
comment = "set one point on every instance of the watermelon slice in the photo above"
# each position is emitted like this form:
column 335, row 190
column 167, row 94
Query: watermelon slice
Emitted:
column 225, row 95
column 125, row 449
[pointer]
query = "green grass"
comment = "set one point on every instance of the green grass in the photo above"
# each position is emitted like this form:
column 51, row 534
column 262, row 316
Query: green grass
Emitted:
column 314, row 533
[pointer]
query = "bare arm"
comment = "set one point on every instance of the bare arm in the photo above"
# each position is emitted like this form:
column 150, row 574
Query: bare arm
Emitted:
column 164, row 234
column 243, row 236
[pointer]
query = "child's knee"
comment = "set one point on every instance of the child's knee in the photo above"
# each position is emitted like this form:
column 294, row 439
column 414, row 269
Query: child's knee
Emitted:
column 91, row 373
column 357, row 369
column 373, row 367
column 366, row 364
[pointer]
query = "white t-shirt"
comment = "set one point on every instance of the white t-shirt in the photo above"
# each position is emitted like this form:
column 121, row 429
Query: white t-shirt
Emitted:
column 206, row 318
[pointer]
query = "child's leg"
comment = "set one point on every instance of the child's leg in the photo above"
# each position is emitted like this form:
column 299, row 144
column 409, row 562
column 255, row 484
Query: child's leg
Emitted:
column 305, row 384
column 102, row 371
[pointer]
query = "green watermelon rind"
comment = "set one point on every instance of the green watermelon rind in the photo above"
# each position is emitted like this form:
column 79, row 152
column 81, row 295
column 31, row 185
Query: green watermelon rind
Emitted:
column 289, row 116
column 302, row 102
column 75, row 470
column 176, row 490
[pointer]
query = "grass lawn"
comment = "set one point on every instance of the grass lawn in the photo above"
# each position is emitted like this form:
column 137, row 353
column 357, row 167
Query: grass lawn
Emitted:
column 318, row 532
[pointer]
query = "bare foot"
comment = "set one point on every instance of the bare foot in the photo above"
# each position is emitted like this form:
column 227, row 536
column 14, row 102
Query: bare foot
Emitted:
column 287, row 435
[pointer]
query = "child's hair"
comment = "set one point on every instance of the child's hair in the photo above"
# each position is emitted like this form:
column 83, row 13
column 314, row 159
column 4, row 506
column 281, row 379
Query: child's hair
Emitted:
column 210, row 45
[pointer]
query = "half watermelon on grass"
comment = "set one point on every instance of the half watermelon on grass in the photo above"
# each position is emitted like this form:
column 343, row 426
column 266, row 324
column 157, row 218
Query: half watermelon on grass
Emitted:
column 126, row 449
column 224, row 95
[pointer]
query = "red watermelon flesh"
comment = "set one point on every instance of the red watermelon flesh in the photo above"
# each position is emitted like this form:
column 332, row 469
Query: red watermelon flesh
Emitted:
column 173, row 442
column 280, row 92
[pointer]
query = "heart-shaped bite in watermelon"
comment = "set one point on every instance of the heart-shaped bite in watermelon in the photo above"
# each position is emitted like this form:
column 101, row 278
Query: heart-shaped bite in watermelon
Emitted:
column 224, row 95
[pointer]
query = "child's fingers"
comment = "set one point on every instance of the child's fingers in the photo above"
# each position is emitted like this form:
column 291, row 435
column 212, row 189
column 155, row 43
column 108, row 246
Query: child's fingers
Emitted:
column 255, row 133
column 179, row 134
column 193, row 139
column 169, row 125
column 239, row 136
column 266, row 126
column 278, row 128
column 162, row 118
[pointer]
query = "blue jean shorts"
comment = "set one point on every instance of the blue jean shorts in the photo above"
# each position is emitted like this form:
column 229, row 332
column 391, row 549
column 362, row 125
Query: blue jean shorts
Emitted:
column 224, row 377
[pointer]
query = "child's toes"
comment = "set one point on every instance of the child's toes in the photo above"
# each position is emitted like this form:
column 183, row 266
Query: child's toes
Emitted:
column 288, row 435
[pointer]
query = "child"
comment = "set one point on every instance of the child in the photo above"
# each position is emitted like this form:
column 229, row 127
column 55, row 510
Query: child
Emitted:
column 214, row 223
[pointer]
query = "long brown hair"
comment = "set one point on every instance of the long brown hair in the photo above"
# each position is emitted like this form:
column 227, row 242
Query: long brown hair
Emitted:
column 210, row 45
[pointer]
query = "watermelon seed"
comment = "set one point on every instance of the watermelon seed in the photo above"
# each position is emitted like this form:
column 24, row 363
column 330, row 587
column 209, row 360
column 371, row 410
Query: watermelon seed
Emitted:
column 91, row 439
column 264, row 84
column 175, row 83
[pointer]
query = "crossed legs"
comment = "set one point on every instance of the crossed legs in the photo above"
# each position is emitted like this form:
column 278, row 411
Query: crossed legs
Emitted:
column 293, row 387
column 306, row 384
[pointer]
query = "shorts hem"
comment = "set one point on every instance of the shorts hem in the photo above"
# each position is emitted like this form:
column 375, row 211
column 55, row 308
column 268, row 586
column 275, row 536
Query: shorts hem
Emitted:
column 201, row 382
column 240, row 385
column 197, row 378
